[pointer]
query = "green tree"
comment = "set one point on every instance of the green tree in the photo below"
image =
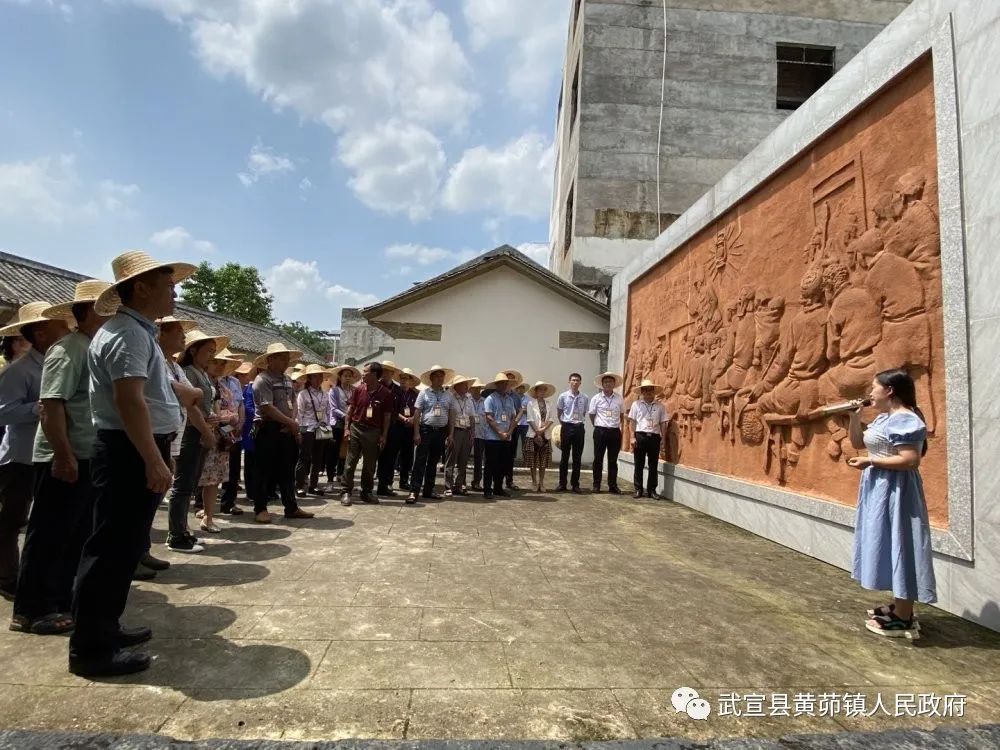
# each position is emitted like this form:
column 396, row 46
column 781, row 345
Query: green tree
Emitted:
column 313, row 339
column 231, row 289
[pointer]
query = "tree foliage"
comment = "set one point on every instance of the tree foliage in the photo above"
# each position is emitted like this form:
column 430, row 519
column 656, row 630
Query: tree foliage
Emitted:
column 312, row 339
column 231, row 289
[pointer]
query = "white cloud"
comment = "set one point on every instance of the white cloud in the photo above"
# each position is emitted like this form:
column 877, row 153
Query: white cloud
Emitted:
column 63, row 7
column 535, row 50
column 301, row 293
column 305, row 186
column 262, row 161
column 354, row 65
column 422, row 255
column 50, row 190
column 179, row 240
column 398, row 168
column 515, row 180
column 537, row 251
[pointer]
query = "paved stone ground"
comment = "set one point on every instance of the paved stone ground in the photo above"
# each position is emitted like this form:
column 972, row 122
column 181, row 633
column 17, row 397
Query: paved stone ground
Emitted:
column 559, row 617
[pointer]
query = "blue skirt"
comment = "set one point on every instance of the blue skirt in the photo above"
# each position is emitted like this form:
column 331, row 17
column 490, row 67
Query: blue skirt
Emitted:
column 892, row 536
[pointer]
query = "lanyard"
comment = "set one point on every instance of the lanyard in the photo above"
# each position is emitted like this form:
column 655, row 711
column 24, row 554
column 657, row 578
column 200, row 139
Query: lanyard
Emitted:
column 648, row 410
column 609, row 401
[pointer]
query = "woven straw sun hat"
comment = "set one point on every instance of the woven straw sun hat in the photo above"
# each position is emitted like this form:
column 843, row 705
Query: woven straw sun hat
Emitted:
column 33, row 312
column 128, row 266
column 425, row 376
column 599, row 380
column 502, row 377
column 276, row 348
column 461, row 379
column 308, row 370
column 232, row 361
column 194, row 336
column 408, row 374
column 515, row 377
column 541, row 389
column 390, row 368
column 186, row 323
column 477, row 383
column 647, row 383
column 335, row 372
column 245, row 368
column 86, row 291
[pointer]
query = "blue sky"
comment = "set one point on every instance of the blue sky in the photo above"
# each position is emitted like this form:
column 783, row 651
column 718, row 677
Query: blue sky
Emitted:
column 346, row 148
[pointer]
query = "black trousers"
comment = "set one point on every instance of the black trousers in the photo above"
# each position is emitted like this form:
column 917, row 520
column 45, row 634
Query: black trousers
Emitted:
column 478, row 453
column 516, row 439
column 16, row 481
column 312, row 459
column 123, row 512
column 571, row 442
column 387, row 458
column 62, row 519
column 250, row 474
column 606, row 440
column 334, row 463
column 647, row 453
column 497, row 452
column 404, row 457
column 230, row 486
column 426, row 459
column 276, row 452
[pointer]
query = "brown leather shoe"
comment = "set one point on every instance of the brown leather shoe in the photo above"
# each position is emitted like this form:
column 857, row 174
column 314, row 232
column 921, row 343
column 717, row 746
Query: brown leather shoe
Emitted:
column 263, row 517
column 299, row 513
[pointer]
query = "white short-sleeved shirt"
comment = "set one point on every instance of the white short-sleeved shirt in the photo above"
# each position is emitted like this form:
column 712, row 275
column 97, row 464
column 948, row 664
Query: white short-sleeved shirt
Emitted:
column 607, row 410
column 648, row 417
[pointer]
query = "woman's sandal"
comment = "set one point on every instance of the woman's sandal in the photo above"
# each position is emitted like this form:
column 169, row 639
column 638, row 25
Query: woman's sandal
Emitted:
column 893, row 627
column 888, row 610
column 210, row 528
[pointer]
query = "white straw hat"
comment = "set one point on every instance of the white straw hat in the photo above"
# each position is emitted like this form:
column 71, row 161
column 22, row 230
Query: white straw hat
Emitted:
column 186, row 323
column 131, row 264
column 549, row 390
column 501, row 377
column 647, row 383
column 599, row 380
column 86, row 291
column 277, row 348
column 194, row 336
column 33, row 312
column 461, row 379
column 425, row 376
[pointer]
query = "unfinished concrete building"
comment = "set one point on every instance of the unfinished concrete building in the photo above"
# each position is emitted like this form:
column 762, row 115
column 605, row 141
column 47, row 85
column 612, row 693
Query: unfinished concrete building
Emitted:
column 660, row 101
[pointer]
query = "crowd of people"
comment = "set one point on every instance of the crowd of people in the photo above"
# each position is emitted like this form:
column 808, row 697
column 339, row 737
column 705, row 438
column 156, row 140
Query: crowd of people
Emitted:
column 111, row 405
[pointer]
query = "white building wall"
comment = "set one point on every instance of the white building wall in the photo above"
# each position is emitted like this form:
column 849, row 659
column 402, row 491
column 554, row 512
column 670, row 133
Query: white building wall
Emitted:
column 502, row 320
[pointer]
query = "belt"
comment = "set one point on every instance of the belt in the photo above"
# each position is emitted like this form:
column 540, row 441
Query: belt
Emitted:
column 651, row 434
column 431, row 427
column 602, row 427
column 366, row 426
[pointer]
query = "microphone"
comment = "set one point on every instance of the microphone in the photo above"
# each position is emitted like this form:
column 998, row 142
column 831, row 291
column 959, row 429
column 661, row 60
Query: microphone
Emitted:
column 827, row 411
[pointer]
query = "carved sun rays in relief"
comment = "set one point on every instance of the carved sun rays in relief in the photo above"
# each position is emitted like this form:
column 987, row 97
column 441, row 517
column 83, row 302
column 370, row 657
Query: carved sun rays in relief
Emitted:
column 726, row 255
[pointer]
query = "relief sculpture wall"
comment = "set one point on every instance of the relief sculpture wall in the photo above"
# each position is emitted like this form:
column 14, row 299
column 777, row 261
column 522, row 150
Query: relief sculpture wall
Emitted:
column 827, row 274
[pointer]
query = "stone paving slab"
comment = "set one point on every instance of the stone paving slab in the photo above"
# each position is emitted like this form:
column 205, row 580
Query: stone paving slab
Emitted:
column 569, row 619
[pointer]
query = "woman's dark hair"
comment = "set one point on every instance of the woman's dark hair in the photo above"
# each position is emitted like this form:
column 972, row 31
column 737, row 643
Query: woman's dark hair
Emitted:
column 7, row 348
column 80, row 310
column 187, row 358
column 904, row 391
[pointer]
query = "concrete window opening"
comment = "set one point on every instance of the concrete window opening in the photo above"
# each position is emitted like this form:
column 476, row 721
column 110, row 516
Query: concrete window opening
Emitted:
column 574, row 98
column 576, row 13
column 568, row 229
column 802, row 70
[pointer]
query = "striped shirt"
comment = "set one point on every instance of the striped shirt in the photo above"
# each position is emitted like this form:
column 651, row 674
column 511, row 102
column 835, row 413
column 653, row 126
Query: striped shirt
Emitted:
column 434, row 407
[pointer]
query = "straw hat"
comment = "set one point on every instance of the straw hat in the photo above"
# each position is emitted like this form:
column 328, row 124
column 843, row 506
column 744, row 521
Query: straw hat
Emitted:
column 335, row 372
column 86, row 291
column 245, row 368
column 406, row 372
column 517, row 378
column 599, row 380
column 647, row 383
column 390, row 368
column 134, row 263
column 33, row 312
column 422, row 387
column 548, row 390
column 522, row 388
column 194, row 336
column 477, row 383
column 461, row 379
column 425, row 376
column 278, row 348
column 500, row 378
column 310, row 370
column 224, row 353
column 186, row 324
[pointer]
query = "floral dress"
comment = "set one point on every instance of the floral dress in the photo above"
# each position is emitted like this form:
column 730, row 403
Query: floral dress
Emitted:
column 892, row 534
column 216, row 469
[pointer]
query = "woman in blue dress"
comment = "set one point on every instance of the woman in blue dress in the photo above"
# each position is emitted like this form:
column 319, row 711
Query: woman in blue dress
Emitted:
column 892, row 537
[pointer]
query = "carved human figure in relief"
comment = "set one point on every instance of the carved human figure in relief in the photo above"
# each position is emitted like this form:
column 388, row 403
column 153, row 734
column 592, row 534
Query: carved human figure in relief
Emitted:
column 664, row 371
column 853, row 330
column 727, row 347
column 705, row 308
column 790, row 384
column 768, row 310
column 916, row 233
column 746, row 337
column 632, row 365
column 895, row 286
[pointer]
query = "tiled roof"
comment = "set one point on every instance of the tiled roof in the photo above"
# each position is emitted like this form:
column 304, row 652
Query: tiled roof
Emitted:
column 505, row 255
column 23, row 280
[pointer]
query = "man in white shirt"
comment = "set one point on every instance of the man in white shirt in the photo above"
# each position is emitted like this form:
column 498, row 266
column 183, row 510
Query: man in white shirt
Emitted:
column 607, row 414
column 461, row 431
column 648, row 420
column 572, row 410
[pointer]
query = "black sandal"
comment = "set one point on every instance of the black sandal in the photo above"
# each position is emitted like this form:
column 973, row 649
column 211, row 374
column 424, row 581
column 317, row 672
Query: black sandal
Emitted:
column 889, row 610
column 893, row 627
column 55, row 624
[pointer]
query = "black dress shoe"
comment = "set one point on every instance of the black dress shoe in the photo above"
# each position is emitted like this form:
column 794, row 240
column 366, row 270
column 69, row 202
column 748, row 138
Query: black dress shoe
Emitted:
column 502, row 493
column 596, row 490
column 153, row 563
column 655, row 496
column 113, row 665
column 133, row 636
column 577, row 491
column 385, row 492
column 369, row 498
column 143, row 574
column 638, row 494
column 614, row 490
column 560, row 488
column 431, row 496
column 488, row 495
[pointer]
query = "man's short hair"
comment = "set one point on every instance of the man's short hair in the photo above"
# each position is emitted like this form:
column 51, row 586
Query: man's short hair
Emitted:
column 126, row 290
column 80, row 311
column 28, row 332
column 575, row 375
column 375, row 368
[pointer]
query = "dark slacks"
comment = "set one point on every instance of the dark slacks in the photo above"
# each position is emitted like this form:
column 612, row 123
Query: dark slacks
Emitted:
column 312, row 458
column 387, row 458
column 123, row 512
column 647, row 453
column 62, row 518
column 187, row 474
column 334, row 463
column 497, row 452
column 231, row 485
column 517, row 438
column 250, row 480
column 276, row 452
column 404, row 459
column 571, row 442
column 426, row 459
column 363, row 447
column 478, row 453
column 16, row 481
column 606, row 440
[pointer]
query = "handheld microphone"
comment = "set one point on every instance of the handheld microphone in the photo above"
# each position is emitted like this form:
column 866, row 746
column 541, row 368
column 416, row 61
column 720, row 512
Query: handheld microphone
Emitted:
column 827, row 411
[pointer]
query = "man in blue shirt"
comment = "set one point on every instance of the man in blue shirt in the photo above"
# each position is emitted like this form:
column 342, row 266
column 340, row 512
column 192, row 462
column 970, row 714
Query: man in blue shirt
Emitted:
column 572, row 410
column 20, row 387
column 137, row 415
column 432, row 415
column 501, row 412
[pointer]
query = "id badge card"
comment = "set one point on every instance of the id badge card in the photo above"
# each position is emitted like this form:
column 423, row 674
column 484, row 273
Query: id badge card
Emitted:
column 503, row 417
column 463, row 421
column 437, row 411
column 406, row 411
column 369, row 412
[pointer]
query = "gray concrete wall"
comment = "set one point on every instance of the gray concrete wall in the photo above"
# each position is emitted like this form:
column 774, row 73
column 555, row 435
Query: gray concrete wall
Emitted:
column 359, row 339
column 964, row 38
column 720, row 102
